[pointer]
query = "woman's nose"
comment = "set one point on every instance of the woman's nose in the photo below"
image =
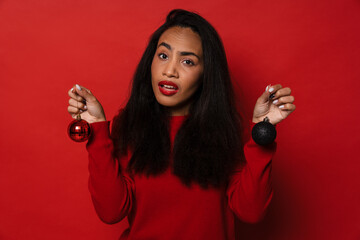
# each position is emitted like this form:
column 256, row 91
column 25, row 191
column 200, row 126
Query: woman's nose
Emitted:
column 170, row 69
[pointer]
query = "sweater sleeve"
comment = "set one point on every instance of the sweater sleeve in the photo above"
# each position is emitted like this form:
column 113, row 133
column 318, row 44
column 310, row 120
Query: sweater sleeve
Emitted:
column 111, row 190
column 249, row 191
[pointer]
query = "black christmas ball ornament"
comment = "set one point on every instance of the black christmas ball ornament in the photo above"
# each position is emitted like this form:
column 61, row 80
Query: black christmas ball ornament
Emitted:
column 79, row 130
column 264, row 132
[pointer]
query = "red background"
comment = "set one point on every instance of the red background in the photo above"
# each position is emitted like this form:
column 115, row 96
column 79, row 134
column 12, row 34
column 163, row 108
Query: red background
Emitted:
column 310, row 46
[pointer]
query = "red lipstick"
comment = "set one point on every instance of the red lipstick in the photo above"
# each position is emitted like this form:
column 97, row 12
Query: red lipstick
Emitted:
column 168, row 88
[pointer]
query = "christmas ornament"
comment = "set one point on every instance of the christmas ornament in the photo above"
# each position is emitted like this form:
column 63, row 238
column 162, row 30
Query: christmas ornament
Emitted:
column 79, row 130
column 264, row 132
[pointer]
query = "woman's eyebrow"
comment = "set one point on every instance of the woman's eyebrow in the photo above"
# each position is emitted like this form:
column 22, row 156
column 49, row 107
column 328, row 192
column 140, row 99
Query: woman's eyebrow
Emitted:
column 189, row 53
column 165, row 45
column 181, row 53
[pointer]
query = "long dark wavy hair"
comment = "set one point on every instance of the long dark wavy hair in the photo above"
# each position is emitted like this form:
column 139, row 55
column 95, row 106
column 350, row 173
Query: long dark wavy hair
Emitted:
column 208, row 144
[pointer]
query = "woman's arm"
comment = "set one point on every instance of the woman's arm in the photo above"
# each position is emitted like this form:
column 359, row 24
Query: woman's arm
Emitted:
column 249, row 190
column 111, row 188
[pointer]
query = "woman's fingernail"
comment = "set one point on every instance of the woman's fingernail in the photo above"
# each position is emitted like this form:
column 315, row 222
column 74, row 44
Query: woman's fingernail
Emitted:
column 78, row 87
column 272, row 96
column 72, row 90
column 271, row 89
column 85, row 107
column 267, row 87
column 275, row 101
column 282, row 106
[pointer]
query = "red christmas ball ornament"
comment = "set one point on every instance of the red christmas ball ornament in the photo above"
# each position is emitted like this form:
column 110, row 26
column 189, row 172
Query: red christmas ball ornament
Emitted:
column 79, row 130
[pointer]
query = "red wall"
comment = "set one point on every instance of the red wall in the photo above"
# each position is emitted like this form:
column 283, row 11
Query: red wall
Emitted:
column 47, row 46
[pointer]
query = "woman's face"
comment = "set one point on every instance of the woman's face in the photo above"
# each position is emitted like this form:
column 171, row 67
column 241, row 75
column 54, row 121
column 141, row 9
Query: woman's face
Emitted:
column 176, row 69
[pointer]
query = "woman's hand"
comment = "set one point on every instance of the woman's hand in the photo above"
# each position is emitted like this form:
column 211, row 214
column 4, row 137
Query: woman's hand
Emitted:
column 84, row 102
column 276, row 103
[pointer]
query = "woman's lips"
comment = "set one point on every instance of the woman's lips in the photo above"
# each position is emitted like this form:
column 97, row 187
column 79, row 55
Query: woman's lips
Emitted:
column 168, row 88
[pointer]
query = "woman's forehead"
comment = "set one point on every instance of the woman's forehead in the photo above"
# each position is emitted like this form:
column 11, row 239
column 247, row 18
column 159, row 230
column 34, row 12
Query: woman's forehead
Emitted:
column 182, row 39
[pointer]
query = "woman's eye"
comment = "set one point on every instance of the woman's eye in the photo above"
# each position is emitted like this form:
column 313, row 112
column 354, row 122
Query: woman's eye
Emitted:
column 188, row 62
column 162, row 56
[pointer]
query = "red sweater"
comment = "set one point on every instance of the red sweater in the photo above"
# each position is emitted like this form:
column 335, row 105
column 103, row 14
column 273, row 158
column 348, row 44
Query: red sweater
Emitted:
column 162, row 208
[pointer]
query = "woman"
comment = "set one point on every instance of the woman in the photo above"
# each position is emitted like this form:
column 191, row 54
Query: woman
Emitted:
column 174, row 163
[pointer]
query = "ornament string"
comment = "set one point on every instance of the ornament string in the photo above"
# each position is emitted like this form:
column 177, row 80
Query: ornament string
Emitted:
column 78, row 117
